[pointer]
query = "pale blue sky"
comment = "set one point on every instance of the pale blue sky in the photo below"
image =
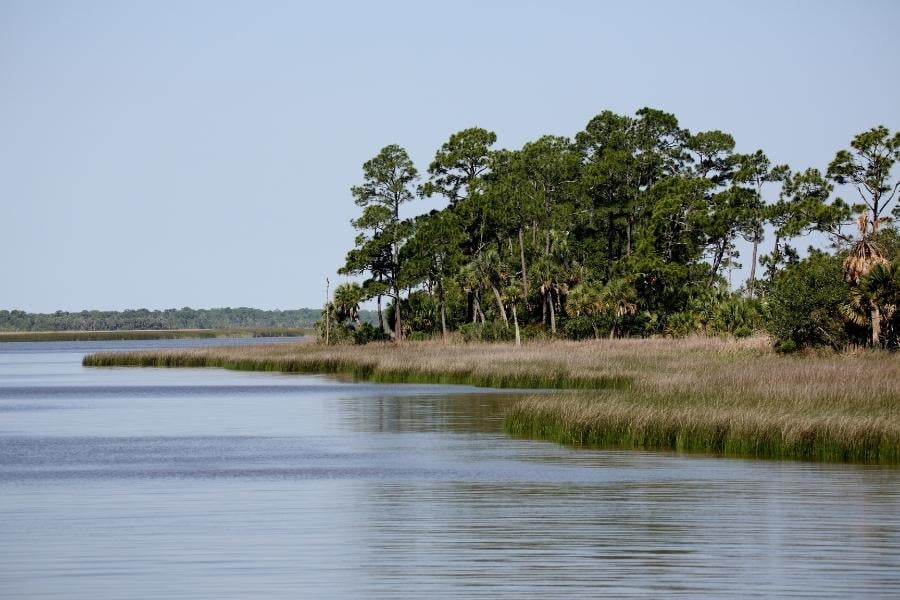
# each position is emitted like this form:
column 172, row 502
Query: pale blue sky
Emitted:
column 166, row 154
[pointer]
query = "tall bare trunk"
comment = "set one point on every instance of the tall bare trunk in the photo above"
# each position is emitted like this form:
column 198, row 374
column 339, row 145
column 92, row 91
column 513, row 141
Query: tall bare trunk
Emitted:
column 544, row 309
column 751, row 283
column 398, row 326
column 524, row 269
column 516, row 325
column 443, row 309
column 500, row 305
column 381, row 322
column 876, row 326
column 478, row 313
column 717, row 261
column 552, row 313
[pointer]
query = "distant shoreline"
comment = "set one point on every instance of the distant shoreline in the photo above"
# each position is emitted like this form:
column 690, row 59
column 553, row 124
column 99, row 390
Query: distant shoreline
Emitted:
column 148, row 334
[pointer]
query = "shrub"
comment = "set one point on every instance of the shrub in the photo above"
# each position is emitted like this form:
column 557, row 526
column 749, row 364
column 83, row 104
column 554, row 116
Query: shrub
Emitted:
column 366, row 333
column 805, row 304
column 682, row 324
column 578, row 328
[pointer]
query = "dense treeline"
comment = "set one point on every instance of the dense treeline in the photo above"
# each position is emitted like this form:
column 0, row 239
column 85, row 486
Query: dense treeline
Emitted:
column 182, row 318
column 629, row 229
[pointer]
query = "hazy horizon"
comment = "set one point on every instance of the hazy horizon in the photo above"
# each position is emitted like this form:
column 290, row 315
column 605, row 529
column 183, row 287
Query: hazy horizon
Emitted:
column 201, row 154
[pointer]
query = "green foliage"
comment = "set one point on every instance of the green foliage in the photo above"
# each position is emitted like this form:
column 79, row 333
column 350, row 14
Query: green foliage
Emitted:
column 805, row 304
column 683, row 324
column 737, row 316
column 366, row 332
column 629, row 229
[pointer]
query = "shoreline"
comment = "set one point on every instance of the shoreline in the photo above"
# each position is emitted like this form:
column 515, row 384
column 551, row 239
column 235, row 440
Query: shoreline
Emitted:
column 725, row 397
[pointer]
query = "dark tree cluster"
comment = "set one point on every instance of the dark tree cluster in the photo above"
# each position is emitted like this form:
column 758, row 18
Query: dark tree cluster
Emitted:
column 173, row 318
column 627, row 229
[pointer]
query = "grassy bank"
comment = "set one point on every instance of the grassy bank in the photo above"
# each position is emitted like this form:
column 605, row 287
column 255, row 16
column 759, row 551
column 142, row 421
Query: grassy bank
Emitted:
column 735, row 402
column 701, row 394
column 487, row 365
column 142, row 334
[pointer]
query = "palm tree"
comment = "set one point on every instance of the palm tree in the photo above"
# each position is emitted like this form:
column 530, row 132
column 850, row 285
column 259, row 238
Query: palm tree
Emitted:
column 471, row 281
column 512, row 294
column 347, row 297
column 865, row 254
column 491, row 268
column 544, row 271
column 619, row 298
column 585, row 300
column 879, row 291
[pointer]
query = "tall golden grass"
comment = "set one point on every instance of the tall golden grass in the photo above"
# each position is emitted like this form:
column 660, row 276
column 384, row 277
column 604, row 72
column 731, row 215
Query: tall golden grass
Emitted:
column 704, row 394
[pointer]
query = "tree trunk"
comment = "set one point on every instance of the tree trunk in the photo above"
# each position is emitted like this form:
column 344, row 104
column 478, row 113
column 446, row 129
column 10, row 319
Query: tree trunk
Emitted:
column 443, row 309
column 596, row 333
column 384, row 327
column 717, row 261
column 751, row 283
column 398, row 326
column 396, row 249
column 516, row 325
column 500, row 305
column 876, row 327
column 477, row 310
column 524, row 269
column 544, row 309
column 612, row 330
column 552, row 313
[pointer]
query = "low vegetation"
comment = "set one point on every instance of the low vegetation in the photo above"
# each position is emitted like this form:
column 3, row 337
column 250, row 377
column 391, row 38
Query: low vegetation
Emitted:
column 735, row 397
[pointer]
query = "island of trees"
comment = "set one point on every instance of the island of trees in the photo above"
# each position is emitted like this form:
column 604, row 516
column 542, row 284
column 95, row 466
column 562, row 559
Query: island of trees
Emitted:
column 629, row 229
column 161, row 320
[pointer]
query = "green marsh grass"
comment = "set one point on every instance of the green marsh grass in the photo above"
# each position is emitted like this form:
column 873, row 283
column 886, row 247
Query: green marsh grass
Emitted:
column 699, row 394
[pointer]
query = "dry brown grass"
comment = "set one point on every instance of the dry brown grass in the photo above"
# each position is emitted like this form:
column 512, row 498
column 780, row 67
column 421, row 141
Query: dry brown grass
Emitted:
column 699, row 393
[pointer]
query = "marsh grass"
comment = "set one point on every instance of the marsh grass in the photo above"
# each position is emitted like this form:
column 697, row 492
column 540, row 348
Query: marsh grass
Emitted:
column 698, row 394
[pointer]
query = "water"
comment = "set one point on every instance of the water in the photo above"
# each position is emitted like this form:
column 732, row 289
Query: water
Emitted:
column 206, row 483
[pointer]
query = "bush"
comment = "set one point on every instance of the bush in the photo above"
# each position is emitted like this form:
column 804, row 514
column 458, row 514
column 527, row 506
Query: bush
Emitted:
column 365, row 333
column 736, row 316
column 682, row 324
column 578, row 328
column 805, row 305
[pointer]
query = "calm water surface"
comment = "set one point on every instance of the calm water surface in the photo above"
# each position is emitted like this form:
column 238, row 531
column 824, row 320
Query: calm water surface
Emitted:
column 154, row 483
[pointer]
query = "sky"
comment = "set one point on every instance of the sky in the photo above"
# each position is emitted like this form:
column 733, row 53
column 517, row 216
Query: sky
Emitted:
column 168, row 154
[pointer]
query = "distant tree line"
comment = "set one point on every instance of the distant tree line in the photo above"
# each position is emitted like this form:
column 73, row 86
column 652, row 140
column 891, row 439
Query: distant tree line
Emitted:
column 629, row 229
column 180, row 318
